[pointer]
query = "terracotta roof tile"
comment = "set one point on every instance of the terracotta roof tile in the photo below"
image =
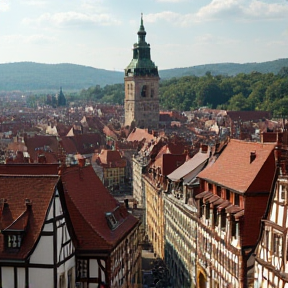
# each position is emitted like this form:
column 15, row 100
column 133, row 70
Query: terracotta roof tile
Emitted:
column 248, row 115
column 88, row 201
column 16, row 187
column 139, row 134
column 43, row 143
column 111, row 158
column 233, row 168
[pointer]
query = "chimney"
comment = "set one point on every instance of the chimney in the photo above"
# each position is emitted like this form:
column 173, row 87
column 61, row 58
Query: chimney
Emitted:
column 126, row 203
column 28, row 203
column 204, row 148
column 81, row 162
column 252, row 156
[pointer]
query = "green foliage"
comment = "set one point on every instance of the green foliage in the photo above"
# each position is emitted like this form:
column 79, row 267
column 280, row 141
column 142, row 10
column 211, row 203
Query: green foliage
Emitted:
column 111, row 94
column 254, row 91
column 228, row 69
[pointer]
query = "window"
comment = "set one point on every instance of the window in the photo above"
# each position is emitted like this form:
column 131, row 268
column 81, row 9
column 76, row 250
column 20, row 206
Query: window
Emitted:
column 62, row 281
column 219, row 191
column 228, row 194
column 210, row 187
column 143, row 92
column 81, row 269
column 267, row 243
column 14, row 241
column 283, row 193
column 223, row 219
column 277, row 244
column 234, row 228
column 215, row 217
column 236, row 199
column 112, row 222
column 207, row 207
column 70, row 278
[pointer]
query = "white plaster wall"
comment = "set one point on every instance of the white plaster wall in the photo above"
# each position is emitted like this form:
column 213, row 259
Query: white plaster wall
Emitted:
column 280, row 215
column 58, row 207
column 50, row 212
column 93, row 269
column 273, row 213
column 65, row 267
column 41, row 278
column 8, row 277
column 20, row 277
column 43, row 253
column 48, row 227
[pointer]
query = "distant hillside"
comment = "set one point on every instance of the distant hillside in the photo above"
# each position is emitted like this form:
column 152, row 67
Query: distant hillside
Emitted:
column 36, row 77
column 229, row 69
column 29, row 76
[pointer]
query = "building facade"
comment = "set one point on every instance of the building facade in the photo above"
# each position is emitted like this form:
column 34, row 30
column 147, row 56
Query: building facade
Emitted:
column 36, row 245
column 230, row 207
column 106, row 235
column 271, row 265
column 141, row 86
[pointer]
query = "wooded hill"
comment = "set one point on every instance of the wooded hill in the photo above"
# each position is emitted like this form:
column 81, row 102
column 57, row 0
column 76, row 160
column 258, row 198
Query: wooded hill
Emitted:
column 47, row 78
column 253, row 91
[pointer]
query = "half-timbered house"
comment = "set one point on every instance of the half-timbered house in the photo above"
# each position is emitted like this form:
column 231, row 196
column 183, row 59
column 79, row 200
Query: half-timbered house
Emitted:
column 36, row 249
column 271, row 265
column 235, row 191
column 106, row 236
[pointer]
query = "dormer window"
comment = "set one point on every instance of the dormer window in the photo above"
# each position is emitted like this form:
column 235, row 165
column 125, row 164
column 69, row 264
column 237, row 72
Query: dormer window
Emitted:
column 112, row 222
column 13, row 241
column 14, row 233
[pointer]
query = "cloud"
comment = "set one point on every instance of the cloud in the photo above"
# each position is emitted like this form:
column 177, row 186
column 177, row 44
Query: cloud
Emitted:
column 38, row 3
column 4, row 6
column 39, row 39
column 32, row 39
column 242, row 9
column 213, row 39
column 165, row 15
column 232, row 10
column 268, row 11
column 93, row 5
column 171, row 1
column 73, row 19
column 219, row 9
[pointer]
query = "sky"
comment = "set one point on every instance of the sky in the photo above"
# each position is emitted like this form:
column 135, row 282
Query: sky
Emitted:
column 181, row 33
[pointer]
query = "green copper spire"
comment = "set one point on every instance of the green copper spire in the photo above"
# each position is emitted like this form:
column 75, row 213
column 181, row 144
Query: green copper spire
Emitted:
column 141, row 32
column 141, row 63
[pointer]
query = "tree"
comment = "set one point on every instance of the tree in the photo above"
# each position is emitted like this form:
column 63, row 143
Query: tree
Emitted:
column 238, row 103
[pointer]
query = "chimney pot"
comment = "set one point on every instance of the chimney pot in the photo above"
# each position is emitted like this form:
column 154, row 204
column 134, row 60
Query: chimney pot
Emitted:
column 252, row 156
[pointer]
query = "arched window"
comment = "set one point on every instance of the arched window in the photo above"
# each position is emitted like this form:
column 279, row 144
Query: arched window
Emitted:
column 144, row 90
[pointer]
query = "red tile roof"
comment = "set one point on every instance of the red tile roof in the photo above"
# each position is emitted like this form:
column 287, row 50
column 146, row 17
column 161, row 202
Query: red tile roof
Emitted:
column 87, row 202
column 139, row 134
column 233, row 168
column 41, row 143
column 111, row 158
column 29, row 169
column 248, row 115
column 83, row 143
column 17, row 184
column 169, row 158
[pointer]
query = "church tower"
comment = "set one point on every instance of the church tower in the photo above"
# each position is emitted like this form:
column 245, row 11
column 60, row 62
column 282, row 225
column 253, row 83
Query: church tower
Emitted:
column 141, row 86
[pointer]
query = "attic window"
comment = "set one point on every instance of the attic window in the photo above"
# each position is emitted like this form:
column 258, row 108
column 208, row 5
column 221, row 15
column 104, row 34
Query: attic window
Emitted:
column 112, row 222
column 13, row 241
